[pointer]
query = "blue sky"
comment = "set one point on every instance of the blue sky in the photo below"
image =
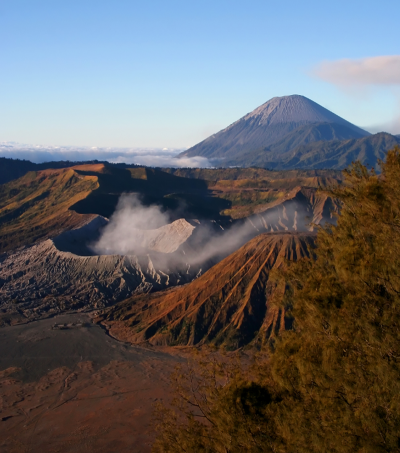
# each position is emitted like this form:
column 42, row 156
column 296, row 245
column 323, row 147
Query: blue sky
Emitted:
column 169, row 73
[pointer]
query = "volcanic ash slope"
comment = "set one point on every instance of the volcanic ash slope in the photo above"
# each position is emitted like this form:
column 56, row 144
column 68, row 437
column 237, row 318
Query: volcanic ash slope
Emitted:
column 300, row 210
column 57, row 275
column 64, row 273
column 232, row 304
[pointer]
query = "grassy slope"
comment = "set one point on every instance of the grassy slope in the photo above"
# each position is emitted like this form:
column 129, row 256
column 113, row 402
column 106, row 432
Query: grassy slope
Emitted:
column 37, row 205
column 250, row 196
column 216, row 174
column 252, row 190
column 11, row 169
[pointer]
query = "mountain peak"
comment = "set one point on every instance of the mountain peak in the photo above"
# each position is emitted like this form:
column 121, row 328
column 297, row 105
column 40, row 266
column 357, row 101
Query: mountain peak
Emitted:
column 270, row 123
column 293, row 109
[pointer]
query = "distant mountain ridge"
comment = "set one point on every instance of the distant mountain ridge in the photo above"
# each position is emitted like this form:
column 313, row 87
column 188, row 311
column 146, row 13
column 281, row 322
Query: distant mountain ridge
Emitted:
column 272, row 122
column 333, row 154
column 11, row 169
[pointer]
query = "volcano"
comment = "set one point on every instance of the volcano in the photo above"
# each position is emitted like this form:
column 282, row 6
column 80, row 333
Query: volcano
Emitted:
column 235, row 303
column 272, row 122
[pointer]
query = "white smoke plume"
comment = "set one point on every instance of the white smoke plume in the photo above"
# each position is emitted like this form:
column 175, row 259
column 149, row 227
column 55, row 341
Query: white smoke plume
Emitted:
column 135, row 229
column 125, row 233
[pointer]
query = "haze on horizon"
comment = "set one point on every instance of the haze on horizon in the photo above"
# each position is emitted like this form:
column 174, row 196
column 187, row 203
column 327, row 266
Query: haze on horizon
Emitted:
column 160, row 74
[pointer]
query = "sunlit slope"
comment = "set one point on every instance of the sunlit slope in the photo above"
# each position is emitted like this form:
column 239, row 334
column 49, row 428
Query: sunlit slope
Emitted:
column 43, row 204
column 11, row 169
column 233, row 304
column 253, row 197
column 242, row 192
column 37, row 205
column 237, row 173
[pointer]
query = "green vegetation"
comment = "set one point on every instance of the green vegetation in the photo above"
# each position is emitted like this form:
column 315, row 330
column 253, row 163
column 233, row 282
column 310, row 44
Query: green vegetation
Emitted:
column 253, row 198
column 332, row 383
column 253, row 173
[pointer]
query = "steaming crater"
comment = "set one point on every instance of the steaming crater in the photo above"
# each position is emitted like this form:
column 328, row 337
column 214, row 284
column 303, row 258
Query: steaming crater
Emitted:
column 78, row 241
column 65, row 273
column 137, row 251
column 90, row 240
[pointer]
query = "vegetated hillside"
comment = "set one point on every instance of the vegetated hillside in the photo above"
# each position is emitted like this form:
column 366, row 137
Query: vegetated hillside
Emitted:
column 335, row 154
column 276, row 205
column 272, row 122
column 331, row 383
column 11, row 169
column 249, row 191
column 37, row 205
column 14, row 168
column 43, row 204
column 310, row 133
column 213, row 175
column 233, row 304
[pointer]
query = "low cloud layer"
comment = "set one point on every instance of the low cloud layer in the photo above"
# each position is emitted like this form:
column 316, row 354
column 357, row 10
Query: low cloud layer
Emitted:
column 148, row 157
column 383, row 70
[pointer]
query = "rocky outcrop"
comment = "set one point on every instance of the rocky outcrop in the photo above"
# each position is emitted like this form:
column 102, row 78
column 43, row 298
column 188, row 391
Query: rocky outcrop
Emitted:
column 165, row 239
column 301, row 210
column 168, row 238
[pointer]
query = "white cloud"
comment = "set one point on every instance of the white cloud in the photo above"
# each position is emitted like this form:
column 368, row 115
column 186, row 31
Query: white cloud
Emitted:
column 149, row 157
column 163, row 160
column 393, row 127
column 383, row 70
